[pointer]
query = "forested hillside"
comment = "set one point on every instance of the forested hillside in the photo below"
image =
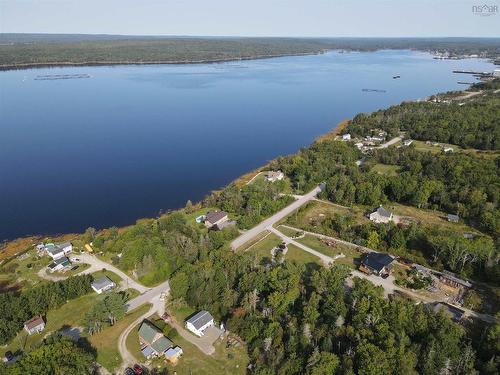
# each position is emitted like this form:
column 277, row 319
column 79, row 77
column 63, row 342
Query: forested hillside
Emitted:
column 21, row 50
column 475, row 124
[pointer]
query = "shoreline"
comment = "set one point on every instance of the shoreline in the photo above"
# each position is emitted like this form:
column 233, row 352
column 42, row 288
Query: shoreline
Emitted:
column 27, row 66
column 7, row 244
column 68, row 64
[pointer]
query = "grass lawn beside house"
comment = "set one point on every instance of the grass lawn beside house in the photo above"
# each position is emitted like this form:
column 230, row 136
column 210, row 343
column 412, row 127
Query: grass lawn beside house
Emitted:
column 106, row 341
column 70, row 314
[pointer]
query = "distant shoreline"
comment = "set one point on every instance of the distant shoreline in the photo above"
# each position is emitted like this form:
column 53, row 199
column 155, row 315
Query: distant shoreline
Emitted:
column 26, row 66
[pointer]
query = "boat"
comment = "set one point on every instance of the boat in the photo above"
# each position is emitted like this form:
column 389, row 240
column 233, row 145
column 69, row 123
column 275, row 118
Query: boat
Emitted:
column 372, row 90
column 396, row 77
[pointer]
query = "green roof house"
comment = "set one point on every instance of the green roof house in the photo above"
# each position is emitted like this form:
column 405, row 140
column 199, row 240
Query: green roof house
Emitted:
column 153, row 343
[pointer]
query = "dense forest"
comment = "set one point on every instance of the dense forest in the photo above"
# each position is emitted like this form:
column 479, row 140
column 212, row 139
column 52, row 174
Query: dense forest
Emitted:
column 475, row 124
column 57, row 355
column 19, row 50
column 300, row 320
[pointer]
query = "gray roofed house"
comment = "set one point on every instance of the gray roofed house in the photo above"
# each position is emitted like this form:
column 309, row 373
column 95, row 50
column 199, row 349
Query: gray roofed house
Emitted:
column 153, row 342
column 103, row 284
column 215, row 217
column 453, row 218
column 381, row 215
column 199, row 322
column 377, row 263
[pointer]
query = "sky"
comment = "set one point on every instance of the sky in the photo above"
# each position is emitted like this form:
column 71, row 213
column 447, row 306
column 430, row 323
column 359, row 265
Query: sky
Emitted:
column 309, row 18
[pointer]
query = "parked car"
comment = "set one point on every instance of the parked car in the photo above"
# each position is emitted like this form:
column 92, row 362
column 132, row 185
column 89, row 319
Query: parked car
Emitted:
column 129, row 371
column 8, row 356
column 138, row 370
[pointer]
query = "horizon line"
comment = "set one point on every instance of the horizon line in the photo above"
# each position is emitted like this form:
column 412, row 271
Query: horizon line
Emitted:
column 256, row 36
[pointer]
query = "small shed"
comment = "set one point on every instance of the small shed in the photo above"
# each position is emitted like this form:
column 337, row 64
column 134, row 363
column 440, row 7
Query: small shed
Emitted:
column 172, row 355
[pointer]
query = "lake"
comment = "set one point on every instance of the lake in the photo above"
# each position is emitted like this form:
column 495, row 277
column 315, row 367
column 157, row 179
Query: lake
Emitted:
column 133, row 140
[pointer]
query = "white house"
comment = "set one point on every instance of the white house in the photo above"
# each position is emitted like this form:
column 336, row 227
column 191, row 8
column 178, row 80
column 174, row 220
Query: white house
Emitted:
column 199, row 322
column 381, row 215
column 56, row 251
column 407, row 142
column 273, row 176
column 346, row 137
column 34, row 325
column 447, row 149
column 59, row 264
column 102, row 285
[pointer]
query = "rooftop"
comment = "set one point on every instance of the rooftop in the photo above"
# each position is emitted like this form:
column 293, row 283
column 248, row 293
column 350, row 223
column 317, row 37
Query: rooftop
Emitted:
column 34, row 322
column 383, row 212
column 103, row 282
column 377, row 261
column 214, row 216
column 200, row 319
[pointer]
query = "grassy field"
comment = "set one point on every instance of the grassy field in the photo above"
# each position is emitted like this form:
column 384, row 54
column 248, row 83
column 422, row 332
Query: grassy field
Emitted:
column 436, row 149
column 22, row 270
column 264, row 247
column 432, row 218
column 386, row 169
column 253, row 241
column 232, row 360
column 317, row 211
column 351, row 254
column 300, row 256
column 106, row 341
column 70, row 314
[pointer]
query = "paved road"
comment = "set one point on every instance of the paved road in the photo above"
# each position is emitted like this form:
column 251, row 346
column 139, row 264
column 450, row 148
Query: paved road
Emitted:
column 149, row 295
column 251, row 233
column 390, row 143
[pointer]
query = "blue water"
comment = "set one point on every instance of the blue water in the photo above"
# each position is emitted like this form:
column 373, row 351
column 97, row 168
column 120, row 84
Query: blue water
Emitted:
column 133, row 140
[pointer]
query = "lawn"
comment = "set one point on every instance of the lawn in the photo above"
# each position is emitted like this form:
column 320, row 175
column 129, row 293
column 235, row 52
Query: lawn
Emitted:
column 422, row 146
column 351, row 254
column 232, row 360
column 386, row 169
column 264, row 247
column 314, row 213
column 70, row 314
column 298, row 255
column 429, row 217
column 106, row 341
column 292, row 233
column 253, row 241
